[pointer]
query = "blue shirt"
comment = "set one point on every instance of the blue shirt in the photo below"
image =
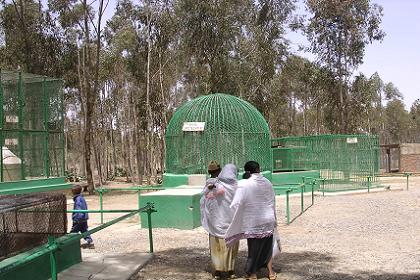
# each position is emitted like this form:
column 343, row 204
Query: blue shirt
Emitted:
column 79, row 204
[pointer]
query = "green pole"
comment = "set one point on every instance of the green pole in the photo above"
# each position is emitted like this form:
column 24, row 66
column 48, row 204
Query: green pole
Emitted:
column 138, row 203
column 46, row 117
column 368, row 184
column 287, row 207
column 1, row 127
column 63, row 140
column 101, row 206
column 53, row 262
column 323, row 186
column 20, row 122
column 149, row 221
column 313, row 184
column 301, row 198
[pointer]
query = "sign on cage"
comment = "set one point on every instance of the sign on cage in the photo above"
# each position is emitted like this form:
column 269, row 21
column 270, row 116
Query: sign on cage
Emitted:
column 193, row 126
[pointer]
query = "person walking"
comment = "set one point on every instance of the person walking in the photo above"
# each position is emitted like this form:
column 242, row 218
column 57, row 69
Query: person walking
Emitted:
column 80, row 219
column 216, row 216
column 254, row 219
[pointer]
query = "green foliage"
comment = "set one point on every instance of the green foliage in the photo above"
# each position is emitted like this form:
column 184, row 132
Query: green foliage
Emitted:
column 155, row 55
column 397, row 121
column 339, row 31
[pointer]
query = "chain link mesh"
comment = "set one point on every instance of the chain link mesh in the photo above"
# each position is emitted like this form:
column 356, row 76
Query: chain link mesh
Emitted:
column 346, row 161
column 27, row 220
column 31, row 125
column 235, row 132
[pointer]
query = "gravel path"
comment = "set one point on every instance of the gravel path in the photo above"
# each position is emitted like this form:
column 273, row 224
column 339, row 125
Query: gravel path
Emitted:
column 357, row 236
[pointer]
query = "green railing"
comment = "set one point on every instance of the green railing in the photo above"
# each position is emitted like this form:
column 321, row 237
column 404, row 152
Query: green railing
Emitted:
column 137, row 189
column 53, row 245
column 289, row 188
column 405, row 174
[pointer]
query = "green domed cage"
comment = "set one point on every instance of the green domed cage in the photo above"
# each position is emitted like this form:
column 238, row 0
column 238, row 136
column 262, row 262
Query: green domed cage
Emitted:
column 234, row 132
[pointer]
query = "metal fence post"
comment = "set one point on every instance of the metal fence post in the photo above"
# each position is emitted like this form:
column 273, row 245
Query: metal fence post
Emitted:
column 101, row 206
column 407, row 175
column 149, row 221
column 139, row 205
column 53, row 262
column 313, row 185
column 369, row 178
column 301, row 198
column 287, row 206
column 323, row 186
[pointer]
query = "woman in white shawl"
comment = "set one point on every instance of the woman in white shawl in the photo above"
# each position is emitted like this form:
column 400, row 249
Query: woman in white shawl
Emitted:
column 216, row 216
column 254, row 220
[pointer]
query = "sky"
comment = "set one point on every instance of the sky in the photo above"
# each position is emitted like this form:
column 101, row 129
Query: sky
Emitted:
column 397, row 57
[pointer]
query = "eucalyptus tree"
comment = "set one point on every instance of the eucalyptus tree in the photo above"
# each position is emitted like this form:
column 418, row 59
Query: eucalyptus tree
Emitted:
column 31, row 41
column 338, row 32
column 82, row 22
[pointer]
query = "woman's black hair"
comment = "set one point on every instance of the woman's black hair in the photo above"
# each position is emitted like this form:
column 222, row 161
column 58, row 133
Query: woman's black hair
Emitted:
column 250, row 168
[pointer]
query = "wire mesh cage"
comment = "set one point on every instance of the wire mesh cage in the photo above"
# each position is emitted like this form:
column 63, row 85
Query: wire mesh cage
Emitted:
column 27, row 220
column 31, row 126
column 216, row 127
column 345, row 161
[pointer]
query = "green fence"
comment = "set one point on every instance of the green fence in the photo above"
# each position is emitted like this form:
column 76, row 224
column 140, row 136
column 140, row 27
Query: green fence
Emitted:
column 346, row 162
column 31, row 126
column 24, row 265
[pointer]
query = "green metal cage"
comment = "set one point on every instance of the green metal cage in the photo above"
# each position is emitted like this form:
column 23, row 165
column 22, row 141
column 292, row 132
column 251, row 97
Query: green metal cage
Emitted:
column 216, row 127
column 344, row 161
column 31, row 126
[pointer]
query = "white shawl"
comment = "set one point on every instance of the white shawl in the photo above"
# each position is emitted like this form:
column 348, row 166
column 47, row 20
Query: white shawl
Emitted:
column 216, row 214
column 254, row 205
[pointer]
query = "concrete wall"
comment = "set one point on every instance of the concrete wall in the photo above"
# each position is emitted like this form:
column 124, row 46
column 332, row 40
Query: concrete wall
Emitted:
column 410, row 157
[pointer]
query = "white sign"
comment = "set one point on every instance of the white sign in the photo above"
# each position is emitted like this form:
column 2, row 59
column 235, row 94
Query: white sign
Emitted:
column 352, row 140
column 12, row 119
column 193, row 126
column 10, row 142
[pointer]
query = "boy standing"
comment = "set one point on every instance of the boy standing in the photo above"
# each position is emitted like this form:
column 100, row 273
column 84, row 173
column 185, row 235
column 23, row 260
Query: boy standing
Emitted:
column 80, row 219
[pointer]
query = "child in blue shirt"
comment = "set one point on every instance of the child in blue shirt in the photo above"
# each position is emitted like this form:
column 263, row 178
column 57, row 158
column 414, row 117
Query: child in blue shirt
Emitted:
column 80, row 219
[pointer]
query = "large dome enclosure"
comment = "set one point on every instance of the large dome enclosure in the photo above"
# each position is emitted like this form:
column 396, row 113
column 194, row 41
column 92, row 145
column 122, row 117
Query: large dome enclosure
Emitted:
column 218, row 127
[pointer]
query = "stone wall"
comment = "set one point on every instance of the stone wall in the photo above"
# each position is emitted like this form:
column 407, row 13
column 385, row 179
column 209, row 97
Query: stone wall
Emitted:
column 410, row 157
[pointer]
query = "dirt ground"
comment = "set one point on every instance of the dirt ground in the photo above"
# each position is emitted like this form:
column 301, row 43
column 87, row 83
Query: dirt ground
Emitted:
column 351, row 236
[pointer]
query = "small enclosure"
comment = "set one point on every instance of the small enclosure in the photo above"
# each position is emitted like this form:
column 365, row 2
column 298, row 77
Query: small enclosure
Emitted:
column 31, row 126
column 27, row 220
column 345, row 161
column 216, row 127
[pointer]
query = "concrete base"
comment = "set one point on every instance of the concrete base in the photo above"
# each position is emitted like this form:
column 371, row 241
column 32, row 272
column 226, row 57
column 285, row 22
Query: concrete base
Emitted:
column 97, row 266
column 176, row 208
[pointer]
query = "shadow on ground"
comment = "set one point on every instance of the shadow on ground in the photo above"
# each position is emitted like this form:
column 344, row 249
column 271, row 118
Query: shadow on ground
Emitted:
column 196, row 264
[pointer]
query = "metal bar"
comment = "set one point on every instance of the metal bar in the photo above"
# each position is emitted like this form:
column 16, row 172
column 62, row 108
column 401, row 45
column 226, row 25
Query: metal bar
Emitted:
column 288, row 206
column 1, row 127
column 407, row 175
column 139, row 205
column 63, row 140
column 45, row 96
column 20, row 122
column 313, row 185
column 53, row 261
column 368, row 185
column 133, row 189
column 301, row 198
column 101, row 207
column 149, row 222
column 80, row 211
